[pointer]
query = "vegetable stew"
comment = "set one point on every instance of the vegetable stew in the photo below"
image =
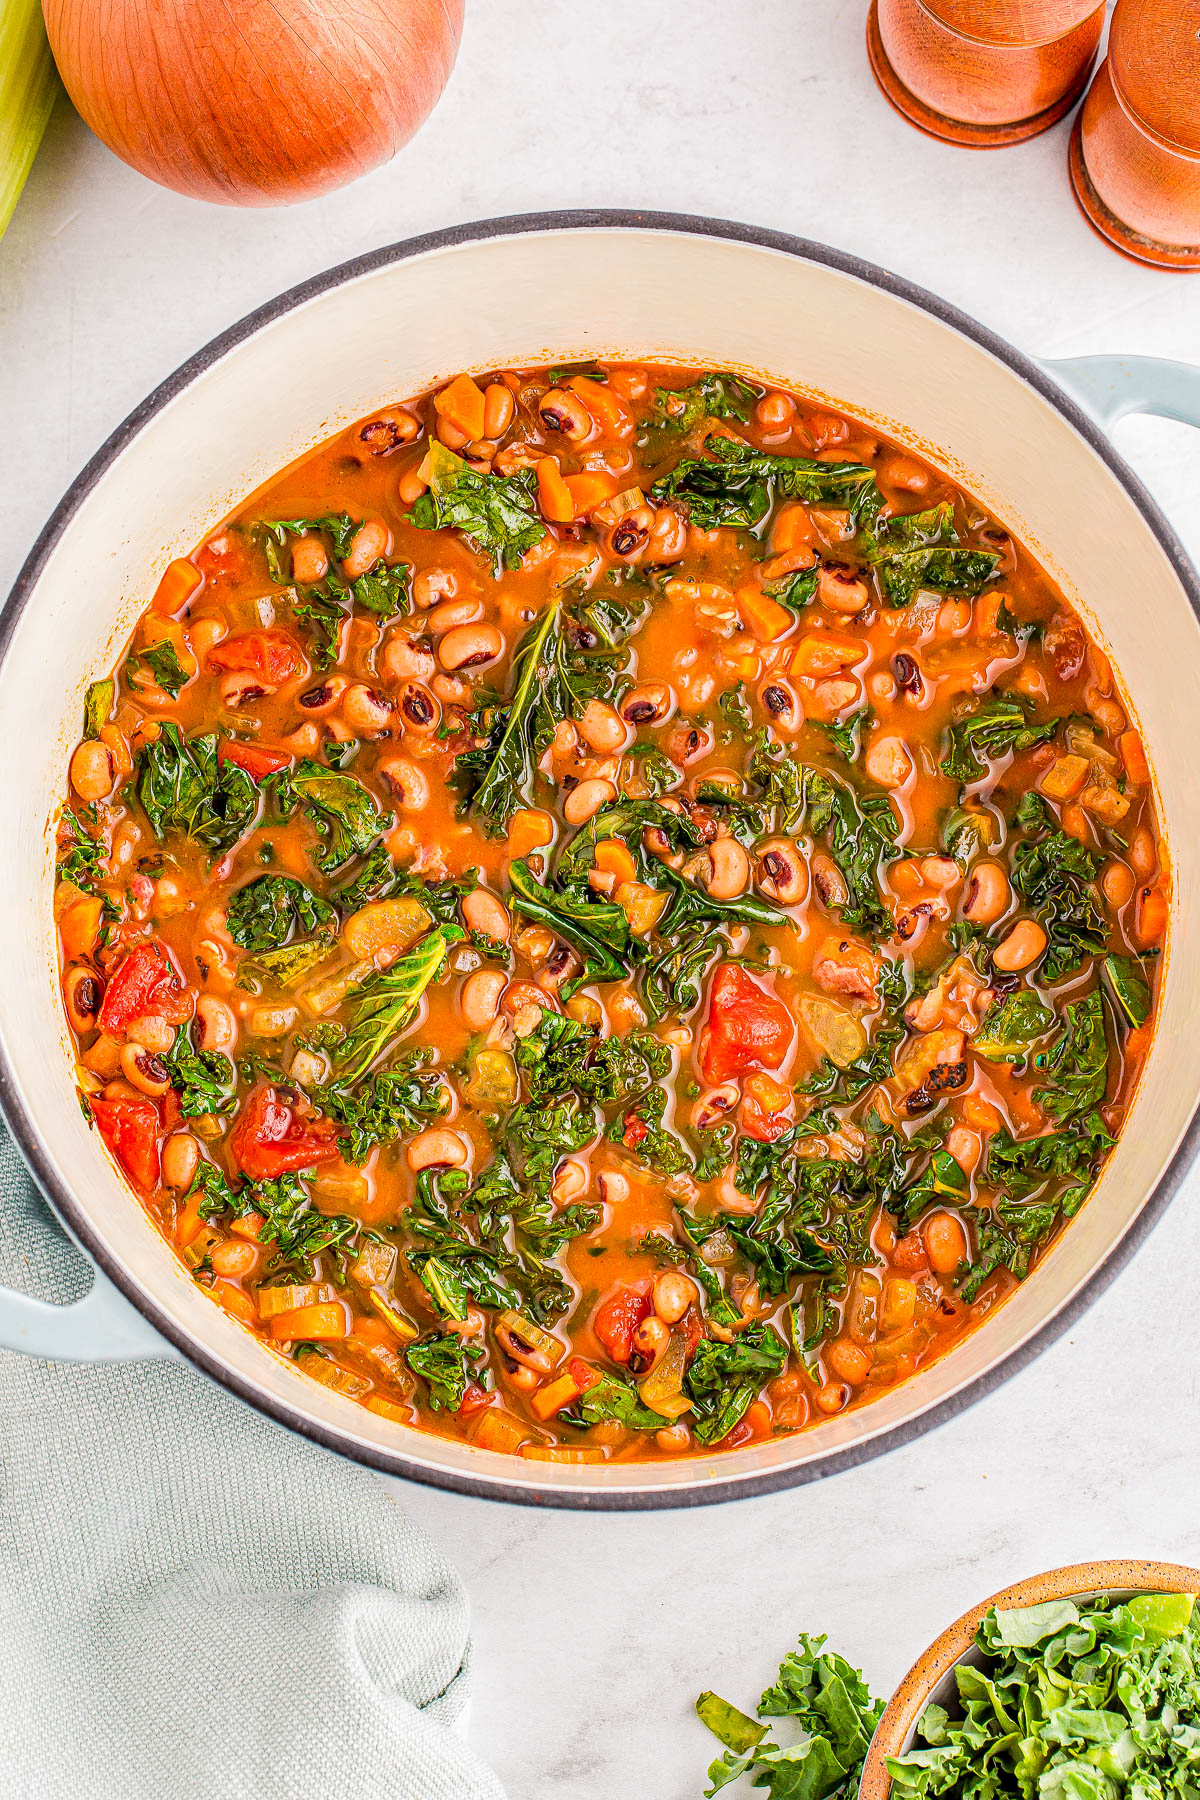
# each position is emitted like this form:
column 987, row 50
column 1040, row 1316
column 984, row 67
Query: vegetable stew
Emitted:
column 609, row 912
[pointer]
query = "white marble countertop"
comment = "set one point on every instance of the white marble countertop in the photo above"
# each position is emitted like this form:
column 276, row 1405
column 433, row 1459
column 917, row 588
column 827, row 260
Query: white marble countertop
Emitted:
column 593, row 1634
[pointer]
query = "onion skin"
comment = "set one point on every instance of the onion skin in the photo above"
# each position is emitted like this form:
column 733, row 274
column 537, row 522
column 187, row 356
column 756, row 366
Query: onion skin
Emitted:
column 254, row 102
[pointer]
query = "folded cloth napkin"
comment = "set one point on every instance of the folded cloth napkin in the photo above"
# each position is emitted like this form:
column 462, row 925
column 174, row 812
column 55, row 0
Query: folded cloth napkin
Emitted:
column 195, row 1602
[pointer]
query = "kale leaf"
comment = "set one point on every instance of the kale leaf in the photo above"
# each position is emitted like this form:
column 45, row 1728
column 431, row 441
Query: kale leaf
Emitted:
column 267, row 911
column 724, row 1380
column 1127, row 983
column 1000, row 725
column 1056, row 874
column 383, row 1005
column 922, row 550
column 714, row 396
column 735, row 483
column 392, row 1105
column 184, row 788
column 164, row 665
column 495, row 512
column 204, row 1080
column 1012, row 1027
column 1077, row 1063
column 345, row 816
column 444, row 1364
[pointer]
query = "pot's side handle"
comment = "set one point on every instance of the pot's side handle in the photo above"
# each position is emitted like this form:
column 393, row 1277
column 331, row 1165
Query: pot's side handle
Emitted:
column 102, row 1327
column 1112, row 387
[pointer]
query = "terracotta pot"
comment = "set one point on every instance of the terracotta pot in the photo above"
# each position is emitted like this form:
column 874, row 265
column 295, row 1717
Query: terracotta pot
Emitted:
column 1135, row 152
column 931, row 1677
column 983, row 72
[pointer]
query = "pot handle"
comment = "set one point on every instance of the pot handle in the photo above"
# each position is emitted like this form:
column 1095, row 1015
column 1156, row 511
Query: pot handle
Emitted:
column 1112, row 387
column 102, row 1327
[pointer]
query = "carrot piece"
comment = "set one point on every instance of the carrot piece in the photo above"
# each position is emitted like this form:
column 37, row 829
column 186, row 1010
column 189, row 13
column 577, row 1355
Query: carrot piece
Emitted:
column 603, row 404
column 590, row 489
column 554, row 496
column 462, row 405
column 825, row 653
column 1133, row 755
column 758, row 1418
column 793, row 528
column 189, row 1221
column 389, row 1409
column 181, row 579
column 324, row 1320
column 557, row 1454
column 549, row 1400
column 1151, row 916
column 236, row 1301
column 765, row 617
column 499, row 1431
column 616, row 859
column 529, row 830
column 79, row 927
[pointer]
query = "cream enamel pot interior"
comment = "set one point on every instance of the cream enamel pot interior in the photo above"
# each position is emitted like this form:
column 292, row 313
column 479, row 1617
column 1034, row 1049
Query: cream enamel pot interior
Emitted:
column 558, row 288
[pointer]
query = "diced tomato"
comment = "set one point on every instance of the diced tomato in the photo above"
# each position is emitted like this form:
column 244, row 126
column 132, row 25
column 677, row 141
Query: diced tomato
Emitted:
column 766, row 1108
column 223, row 558
column 272, row 655
column 270, row 1137
column 582, row 1374
column 748, row 1027
column 618, row 1317
column 141, row 978
column 756, row 1424
column 635, row 1131
column 741, row 1434
column 474, row 1400
column 130, row 1129
column 254, row 758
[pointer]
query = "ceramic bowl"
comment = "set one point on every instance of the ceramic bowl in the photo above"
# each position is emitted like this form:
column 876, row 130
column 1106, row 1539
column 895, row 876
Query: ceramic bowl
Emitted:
column 554, row 289
column 931, row 1678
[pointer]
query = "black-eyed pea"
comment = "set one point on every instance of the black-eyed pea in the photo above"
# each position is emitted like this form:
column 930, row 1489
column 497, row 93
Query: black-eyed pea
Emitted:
column 988, row 894
column 145, row 1071
column 310, row 561
column 602, row 728
column 1020, row 947
column 431, row 585
column 586, row 798
column 205, row 634
column 449, row 613
column 369, row 543
column 1143, row 857
column 648, row 704
column 484, row 913
column 1117, row 883
column 180, row 1160
column 729, row 869
column 409, row 786
column 419, row 709
column 403, row 660
column 564, row 412
column 612, row 1187
column 841, row 589
column 499, row 409
column 92, row 770
column 436, row 1149
column 888, row 762
column 570, row 1183
column 674, row 1439
column 305, row 740
column 470, row 647
column 367, row 712
column 216, row 1027
column 322, row 699
column 673, row 1293
column 240, row 687
column 83, row 991
column 479, row 1001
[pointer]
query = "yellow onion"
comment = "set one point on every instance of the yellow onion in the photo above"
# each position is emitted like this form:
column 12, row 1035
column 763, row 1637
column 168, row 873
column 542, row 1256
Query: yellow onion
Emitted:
column 254, row 102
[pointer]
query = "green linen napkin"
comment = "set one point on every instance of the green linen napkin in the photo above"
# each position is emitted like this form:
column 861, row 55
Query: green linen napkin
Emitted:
column 196, row 1603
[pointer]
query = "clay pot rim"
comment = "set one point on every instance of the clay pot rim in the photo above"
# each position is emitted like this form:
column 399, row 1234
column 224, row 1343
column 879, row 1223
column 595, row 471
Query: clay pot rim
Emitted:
column 908, row 1702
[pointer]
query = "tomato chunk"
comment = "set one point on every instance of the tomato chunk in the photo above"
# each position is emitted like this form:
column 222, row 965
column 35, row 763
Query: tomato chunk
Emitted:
column 618, row 1317
column 270, row 1137
column 748, row 1027
column 130, row 1128
column 256, row 759
column 272, row 655
column 142, row 978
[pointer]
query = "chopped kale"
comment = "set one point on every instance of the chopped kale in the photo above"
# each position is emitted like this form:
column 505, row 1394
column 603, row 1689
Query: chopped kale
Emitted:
column 269, row 910
column 185, row 790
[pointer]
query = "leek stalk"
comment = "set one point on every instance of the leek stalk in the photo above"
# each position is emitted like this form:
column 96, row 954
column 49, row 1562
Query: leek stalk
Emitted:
column 28, row 89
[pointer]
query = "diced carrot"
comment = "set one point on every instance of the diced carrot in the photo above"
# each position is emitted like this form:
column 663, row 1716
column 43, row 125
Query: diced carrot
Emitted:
column 825, row 653
column 462, row 405
column 604, row 405
column 616, row 859
column 389, row 1409
column 554, row 496
column 1064, row 778
column 1151, row 916
column 758, row 1418
column 555, row 1453
column 189, row 1221
column 248, row 1226
column 529, row 830
column 180, row 581
column 1133, row 755
column 79, row 927
column 235, row 1300
column 498, row 1430
column 325, row 1320
column 551, row 1399
column 590, row 489
column 793, row 528
column 987, row 613
column 770, row 1094
column 764, row 616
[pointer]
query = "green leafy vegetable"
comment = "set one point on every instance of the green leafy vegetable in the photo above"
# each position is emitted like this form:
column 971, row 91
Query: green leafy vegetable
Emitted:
column 845, row 737
column 1127, row 983
column 383, row 1005
column 444, row 1363
column 81, row 855
column 998, row 726
column 1012, row 1028
column 97, row 706
column 596, row 930
column 393, row 1105
column 1069, row 1700
column 184, row 788
column 714, row 396
column 496, row 512
column 267, row 911
column 1077, row 1063
column 724, row 1380
column 1057, row 875
column 345, row 816
column 274, row 533
column 922, row 550
column 164, row 665
column 283, row 967
column 298, row 1232
column 612, row 1397
column 835, row 1715
column 735, row 483
column 203, row 1080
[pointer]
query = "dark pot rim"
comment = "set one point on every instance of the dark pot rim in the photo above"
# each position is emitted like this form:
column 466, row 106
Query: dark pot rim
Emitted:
column 531, row 1492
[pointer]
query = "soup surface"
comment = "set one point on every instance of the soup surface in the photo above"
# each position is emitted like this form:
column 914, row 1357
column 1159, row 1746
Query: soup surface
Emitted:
column 610, row 912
